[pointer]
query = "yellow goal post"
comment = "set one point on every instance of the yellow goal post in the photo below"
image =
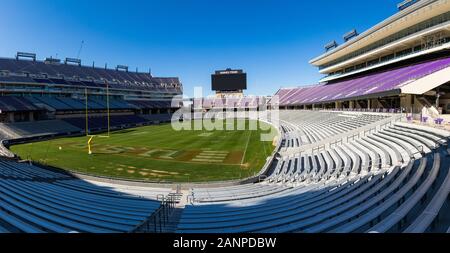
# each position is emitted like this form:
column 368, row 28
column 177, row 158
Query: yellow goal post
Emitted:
column 91, row 137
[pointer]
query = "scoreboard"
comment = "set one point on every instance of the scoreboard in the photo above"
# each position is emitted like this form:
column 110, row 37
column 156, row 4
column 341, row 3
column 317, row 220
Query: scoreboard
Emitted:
column 229, row 80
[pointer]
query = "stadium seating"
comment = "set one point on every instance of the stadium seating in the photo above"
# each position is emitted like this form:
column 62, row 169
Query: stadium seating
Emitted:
column 41, row 128
column 142, row 104
column 85, row 76
column 157, row 117
column 373, row 174
column 232, row 103
column 362, row 86
column 99, row 123
column 306, row 127
column 36, row 200
column 71, row 104
column 15, row 104
column 45, row 102
column 391, row 179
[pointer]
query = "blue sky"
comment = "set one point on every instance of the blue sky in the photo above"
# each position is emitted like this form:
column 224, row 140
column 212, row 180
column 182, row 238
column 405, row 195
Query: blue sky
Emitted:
column 272, row 40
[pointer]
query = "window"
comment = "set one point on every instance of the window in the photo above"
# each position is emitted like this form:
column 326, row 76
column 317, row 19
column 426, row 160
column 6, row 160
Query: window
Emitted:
column 404, row 33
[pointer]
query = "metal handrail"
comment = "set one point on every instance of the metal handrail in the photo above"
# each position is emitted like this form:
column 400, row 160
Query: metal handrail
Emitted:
column 416, row 150
column 262, row 178
column 352, row 137
column 441, row 142
column 158, row 219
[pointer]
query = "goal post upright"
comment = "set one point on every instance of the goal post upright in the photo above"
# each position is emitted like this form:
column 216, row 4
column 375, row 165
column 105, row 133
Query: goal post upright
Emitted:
column 89, row 145
column 91, row 137
column 108, row 109
column 86, row 112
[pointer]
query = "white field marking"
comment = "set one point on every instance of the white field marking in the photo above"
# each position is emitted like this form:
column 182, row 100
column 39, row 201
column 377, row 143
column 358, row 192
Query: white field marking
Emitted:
column 115, row 149
column 216, row 152
column 221, row 153
column 149, row 153
column 139, row 133
column 205, row 135
column 246, row 147
column 210, row 155
column 207, row 160
column 264, row 146
column 169, row 155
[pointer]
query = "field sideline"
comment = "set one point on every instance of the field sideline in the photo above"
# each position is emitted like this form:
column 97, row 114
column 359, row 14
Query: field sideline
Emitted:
column 158, row 154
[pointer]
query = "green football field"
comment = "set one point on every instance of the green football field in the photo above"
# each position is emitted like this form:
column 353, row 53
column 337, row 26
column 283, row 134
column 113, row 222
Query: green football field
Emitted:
column 158, row 153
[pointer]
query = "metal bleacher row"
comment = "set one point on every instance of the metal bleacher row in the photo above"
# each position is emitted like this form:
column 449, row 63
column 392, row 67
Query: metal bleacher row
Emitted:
column 383, row 81
column 39, row 72
column 36, row 103
column 36, row 200
column 75, row 125
column 244, row 102
column 392, row 179
column 299, row 128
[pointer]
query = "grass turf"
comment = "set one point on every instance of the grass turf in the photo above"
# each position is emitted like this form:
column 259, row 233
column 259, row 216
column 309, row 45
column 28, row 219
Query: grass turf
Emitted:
column 158, row 154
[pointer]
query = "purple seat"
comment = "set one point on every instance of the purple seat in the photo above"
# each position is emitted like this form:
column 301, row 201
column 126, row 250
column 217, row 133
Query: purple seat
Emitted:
column 362, row 86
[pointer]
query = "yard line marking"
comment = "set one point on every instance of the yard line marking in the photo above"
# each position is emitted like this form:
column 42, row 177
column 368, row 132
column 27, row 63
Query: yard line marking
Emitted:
column 210, row 157
column 246, row 147
column 207, row 160
column 216, row 152
column 213, row 155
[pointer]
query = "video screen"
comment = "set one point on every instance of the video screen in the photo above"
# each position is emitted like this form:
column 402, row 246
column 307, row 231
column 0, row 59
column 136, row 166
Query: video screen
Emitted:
column 229, row 82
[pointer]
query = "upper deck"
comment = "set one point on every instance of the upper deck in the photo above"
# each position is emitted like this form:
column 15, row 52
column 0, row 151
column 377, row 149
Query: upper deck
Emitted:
column 421, row 28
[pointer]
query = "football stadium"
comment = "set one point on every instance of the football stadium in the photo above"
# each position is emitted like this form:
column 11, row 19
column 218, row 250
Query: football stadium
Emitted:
column 98, row 149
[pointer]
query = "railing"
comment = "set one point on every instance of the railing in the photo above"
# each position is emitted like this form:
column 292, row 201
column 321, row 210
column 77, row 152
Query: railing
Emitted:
column 318, row 149
column 262, row 178
column 379, row 162
column 416, row 150
column 368, row 132
column 375, row 129
column 156, row 222
column 342, row 138
column 335, row 143
column 190, row 199
column 352, row 137
column 441, row 142
column 374, row 110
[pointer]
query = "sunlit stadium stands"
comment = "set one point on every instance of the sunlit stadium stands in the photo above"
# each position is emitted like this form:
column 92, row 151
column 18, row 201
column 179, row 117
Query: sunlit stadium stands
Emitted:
column 378, row 83
column 381, row 181
column 36, row 200
column 231, row 103
column 390, row 176
column 306, row 127
column 384, row 180
column 75, row 75
column 366, row 150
